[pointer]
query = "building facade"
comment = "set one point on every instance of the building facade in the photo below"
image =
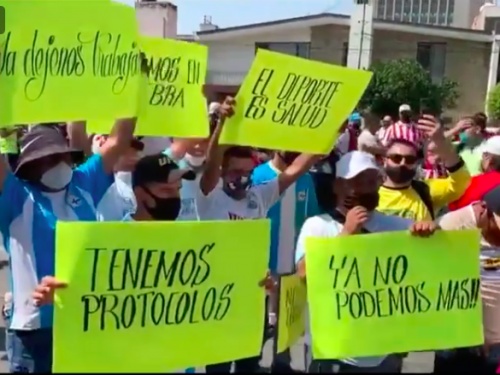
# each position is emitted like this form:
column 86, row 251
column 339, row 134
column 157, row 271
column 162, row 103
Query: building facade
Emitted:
column 455, row 13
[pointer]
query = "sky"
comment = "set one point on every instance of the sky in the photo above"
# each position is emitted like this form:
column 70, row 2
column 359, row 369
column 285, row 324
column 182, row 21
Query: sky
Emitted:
column 226, row 13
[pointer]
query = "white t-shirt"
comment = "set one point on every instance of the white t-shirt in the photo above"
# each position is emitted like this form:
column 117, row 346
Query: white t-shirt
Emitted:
column 366, row 138
column 189, row 192
column 325, row 226
column 219, row 206
column 119, row 199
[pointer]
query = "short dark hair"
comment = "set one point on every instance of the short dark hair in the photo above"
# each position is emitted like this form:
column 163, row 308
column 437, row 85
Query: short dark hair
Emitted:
column 495, row 163
column 238, row 152
column 480, row 119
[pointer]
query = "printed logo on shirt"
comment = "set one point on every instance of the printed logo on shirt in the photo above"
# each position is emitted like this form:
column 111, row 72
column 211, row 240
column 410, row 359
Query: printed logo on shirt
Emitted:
column 235, row 217
column 301, row 196
column 74, row 201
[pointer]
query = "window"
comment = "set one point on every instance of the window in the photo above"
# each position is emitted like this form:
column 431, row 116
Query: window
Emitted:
column 294, row 49
column 398, row 11
column 389, row 11
column 432, row 57
column 345, row 52
column 381, row 8
column 424, row 18
column 433, row 14
column 407, row 11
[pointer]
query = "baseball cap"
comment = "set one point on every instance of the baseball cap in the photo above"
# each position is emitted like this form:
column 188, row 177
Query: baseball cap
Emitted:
column 491, row 145
column 159, row 168
column 404, row 108
column 353, row 163
column 42, row 141
column 213, row 107
column 355, row 117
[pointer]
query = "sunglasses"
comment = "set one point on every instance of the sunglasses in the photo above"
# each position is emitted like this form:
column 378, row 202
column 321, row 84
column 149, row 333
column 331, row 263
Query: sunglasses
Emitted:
column 407, row 159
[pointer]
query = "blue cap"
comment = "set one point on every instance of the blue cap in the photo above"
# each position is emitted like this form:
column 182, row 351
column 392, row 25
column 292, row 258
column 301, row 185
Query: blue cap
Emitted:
column 355, row 117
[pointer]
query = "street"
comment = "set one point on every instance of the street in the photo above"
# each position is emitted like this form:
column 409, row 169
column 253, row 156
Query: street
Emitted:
column 415, row 363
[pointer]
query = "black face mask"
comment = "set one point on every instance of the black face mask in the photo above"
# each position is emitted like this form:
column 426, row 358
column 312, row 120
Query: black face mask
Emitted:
column 235, row 188
column 400, row 174
column 288, row 157
column 367, row 200
column 165, row 209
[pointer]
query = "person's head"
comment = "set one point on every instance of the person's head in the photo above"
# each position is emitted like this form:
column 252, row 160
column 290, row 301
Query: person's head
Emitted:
column 386, row 121
column 488, row 216
column 157, row 181
column 490, row 159
column 45, row 159
column 400, row 163
column 237, row 167
column 357, row 181
column 354, row 121
column 196, row 151
column 323, row 174
column 405, row 113
column 371, row 122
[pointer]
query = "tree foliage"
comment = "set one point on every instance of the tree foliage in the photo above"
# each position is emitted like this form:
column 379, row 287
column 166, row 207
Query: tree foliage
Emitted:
column 405, row 81
column 494, row 103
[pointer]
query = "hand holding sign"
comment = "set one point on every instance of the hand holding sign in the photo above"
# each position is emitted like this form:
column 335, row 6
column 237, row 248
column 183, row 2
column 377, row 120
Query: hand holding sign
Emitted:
column 423, row 228
column 44, row 292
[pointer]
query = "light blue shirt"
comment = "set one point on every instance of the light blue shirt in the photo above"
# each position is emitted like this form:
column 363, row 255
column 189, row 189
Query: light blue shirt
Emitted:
column 287, row 216
column 27, row 223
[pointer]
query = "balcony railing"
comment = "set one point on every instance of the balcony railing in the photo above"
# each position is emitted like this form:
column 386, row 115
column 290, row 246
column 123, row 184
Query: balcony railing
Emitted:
column 222, row 78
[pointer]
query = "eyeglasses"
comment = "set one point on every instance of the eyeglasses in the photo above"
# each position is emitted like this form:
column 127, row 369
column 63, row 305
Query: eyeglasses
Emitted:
column 408, row 159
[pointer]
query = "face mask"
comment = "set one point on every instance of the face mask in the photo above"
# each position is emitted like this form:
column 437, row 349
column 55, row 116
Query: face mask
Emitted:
column 58, row 177
column 288, row 157
column 195, row 161
column 125, row 177
column 165, row 209
column 401, row 174
column 367, row 200
column 237, row 186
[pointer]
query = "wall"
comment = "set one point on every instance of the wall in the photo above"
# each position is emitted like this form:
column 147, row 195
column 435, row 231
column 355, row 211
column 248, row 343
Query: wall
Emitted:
column 157, row 19
column 230, row 60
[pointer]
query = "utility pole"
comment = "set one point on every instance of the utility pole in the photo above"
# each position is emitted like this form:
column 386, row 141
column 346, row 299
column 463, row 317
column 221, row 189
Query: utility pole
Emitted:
column 359, row 54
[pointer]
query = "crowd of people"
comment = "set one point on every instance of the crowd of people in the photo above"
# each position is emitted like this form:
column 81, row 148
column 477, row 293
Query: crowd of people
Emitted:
column 381, row 175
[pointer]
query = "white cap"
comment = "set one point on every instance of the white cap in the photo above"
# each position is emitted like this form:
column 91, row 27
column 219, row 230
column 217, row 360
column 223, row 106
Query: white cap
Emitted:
column 491, row 145
column 404, row 108
column 353, row 163
column 213, row 107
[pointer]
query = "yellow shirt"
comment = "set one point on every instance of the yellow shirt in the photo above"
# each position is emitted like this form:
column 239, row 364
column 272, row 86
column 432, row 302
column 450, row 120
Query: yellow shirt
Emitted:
column 408, row 204
column 8, row 145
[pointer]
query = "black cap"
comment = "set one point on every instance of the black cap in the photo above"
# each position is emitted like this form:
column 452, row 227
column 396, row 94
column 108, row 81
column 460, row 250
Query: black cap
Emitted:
column 42, row 141
column 159, row 168
column 492, row 200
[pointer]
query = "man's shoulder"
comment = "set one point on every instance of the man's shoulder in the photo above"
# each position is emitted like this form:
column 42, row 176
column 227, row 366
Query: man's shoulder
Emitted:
column 321, row 225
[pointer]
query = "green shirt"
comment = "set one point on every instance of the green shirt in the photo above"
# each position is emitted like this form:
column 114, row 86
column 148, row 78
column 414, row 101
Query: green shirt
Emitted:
column 472, row 159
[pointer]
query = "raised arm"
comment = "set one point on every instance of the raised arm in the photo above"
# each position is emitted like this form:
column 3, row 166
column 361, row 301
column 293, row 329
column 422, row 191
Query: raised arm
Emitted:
column 215, row 152
column 78, row 138
column 118, row 142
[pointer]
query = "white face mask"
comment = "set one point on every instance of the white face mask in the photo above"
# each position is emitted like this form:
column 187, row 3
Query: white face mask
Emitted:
column 195, row 161
column 58, row 177
column 125, row 177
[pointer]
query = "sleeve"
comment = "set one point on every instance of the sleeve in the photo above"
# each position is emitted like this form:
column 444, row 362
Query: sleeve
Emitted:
column 204, row 203
column 312, row 228
column 312, row 200
column 12, row 199
column 388, row 135
column 91, row 177
column 443, row 191
column 268, row 192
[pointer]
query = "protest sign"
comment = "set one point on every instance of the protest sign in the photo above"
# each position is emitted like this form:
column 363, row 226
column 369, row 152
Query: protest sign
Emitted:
column 376, row 294
column 294, row 104
column 291, row 311
column 174, row 103
column 157, row 297
column 80, row 60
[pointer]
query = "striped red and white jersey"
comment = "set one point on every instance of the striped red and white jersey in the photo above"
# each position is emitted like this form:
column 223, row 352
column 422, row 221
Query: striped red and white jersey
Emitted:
column 408, row 132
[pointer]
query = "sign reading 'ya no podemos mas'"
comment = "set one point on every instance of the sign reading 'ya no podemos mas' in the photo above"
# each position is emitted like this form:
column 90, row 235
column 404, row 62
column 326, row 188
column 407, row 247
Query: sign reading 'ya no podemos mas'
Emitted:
column 290, row 103
column 174, row 103
column 157, row 297
column 390, row 293
column 80, row 53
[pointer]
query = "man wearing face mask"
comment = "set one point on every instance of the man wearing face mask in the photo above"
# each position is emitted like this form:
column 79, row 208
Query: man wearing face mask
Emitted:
column 119, row 200
column 296, row 204
column 238, row 198
column 484, row 215
column 43, row 189
column 404, row 196
column 355, row 185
